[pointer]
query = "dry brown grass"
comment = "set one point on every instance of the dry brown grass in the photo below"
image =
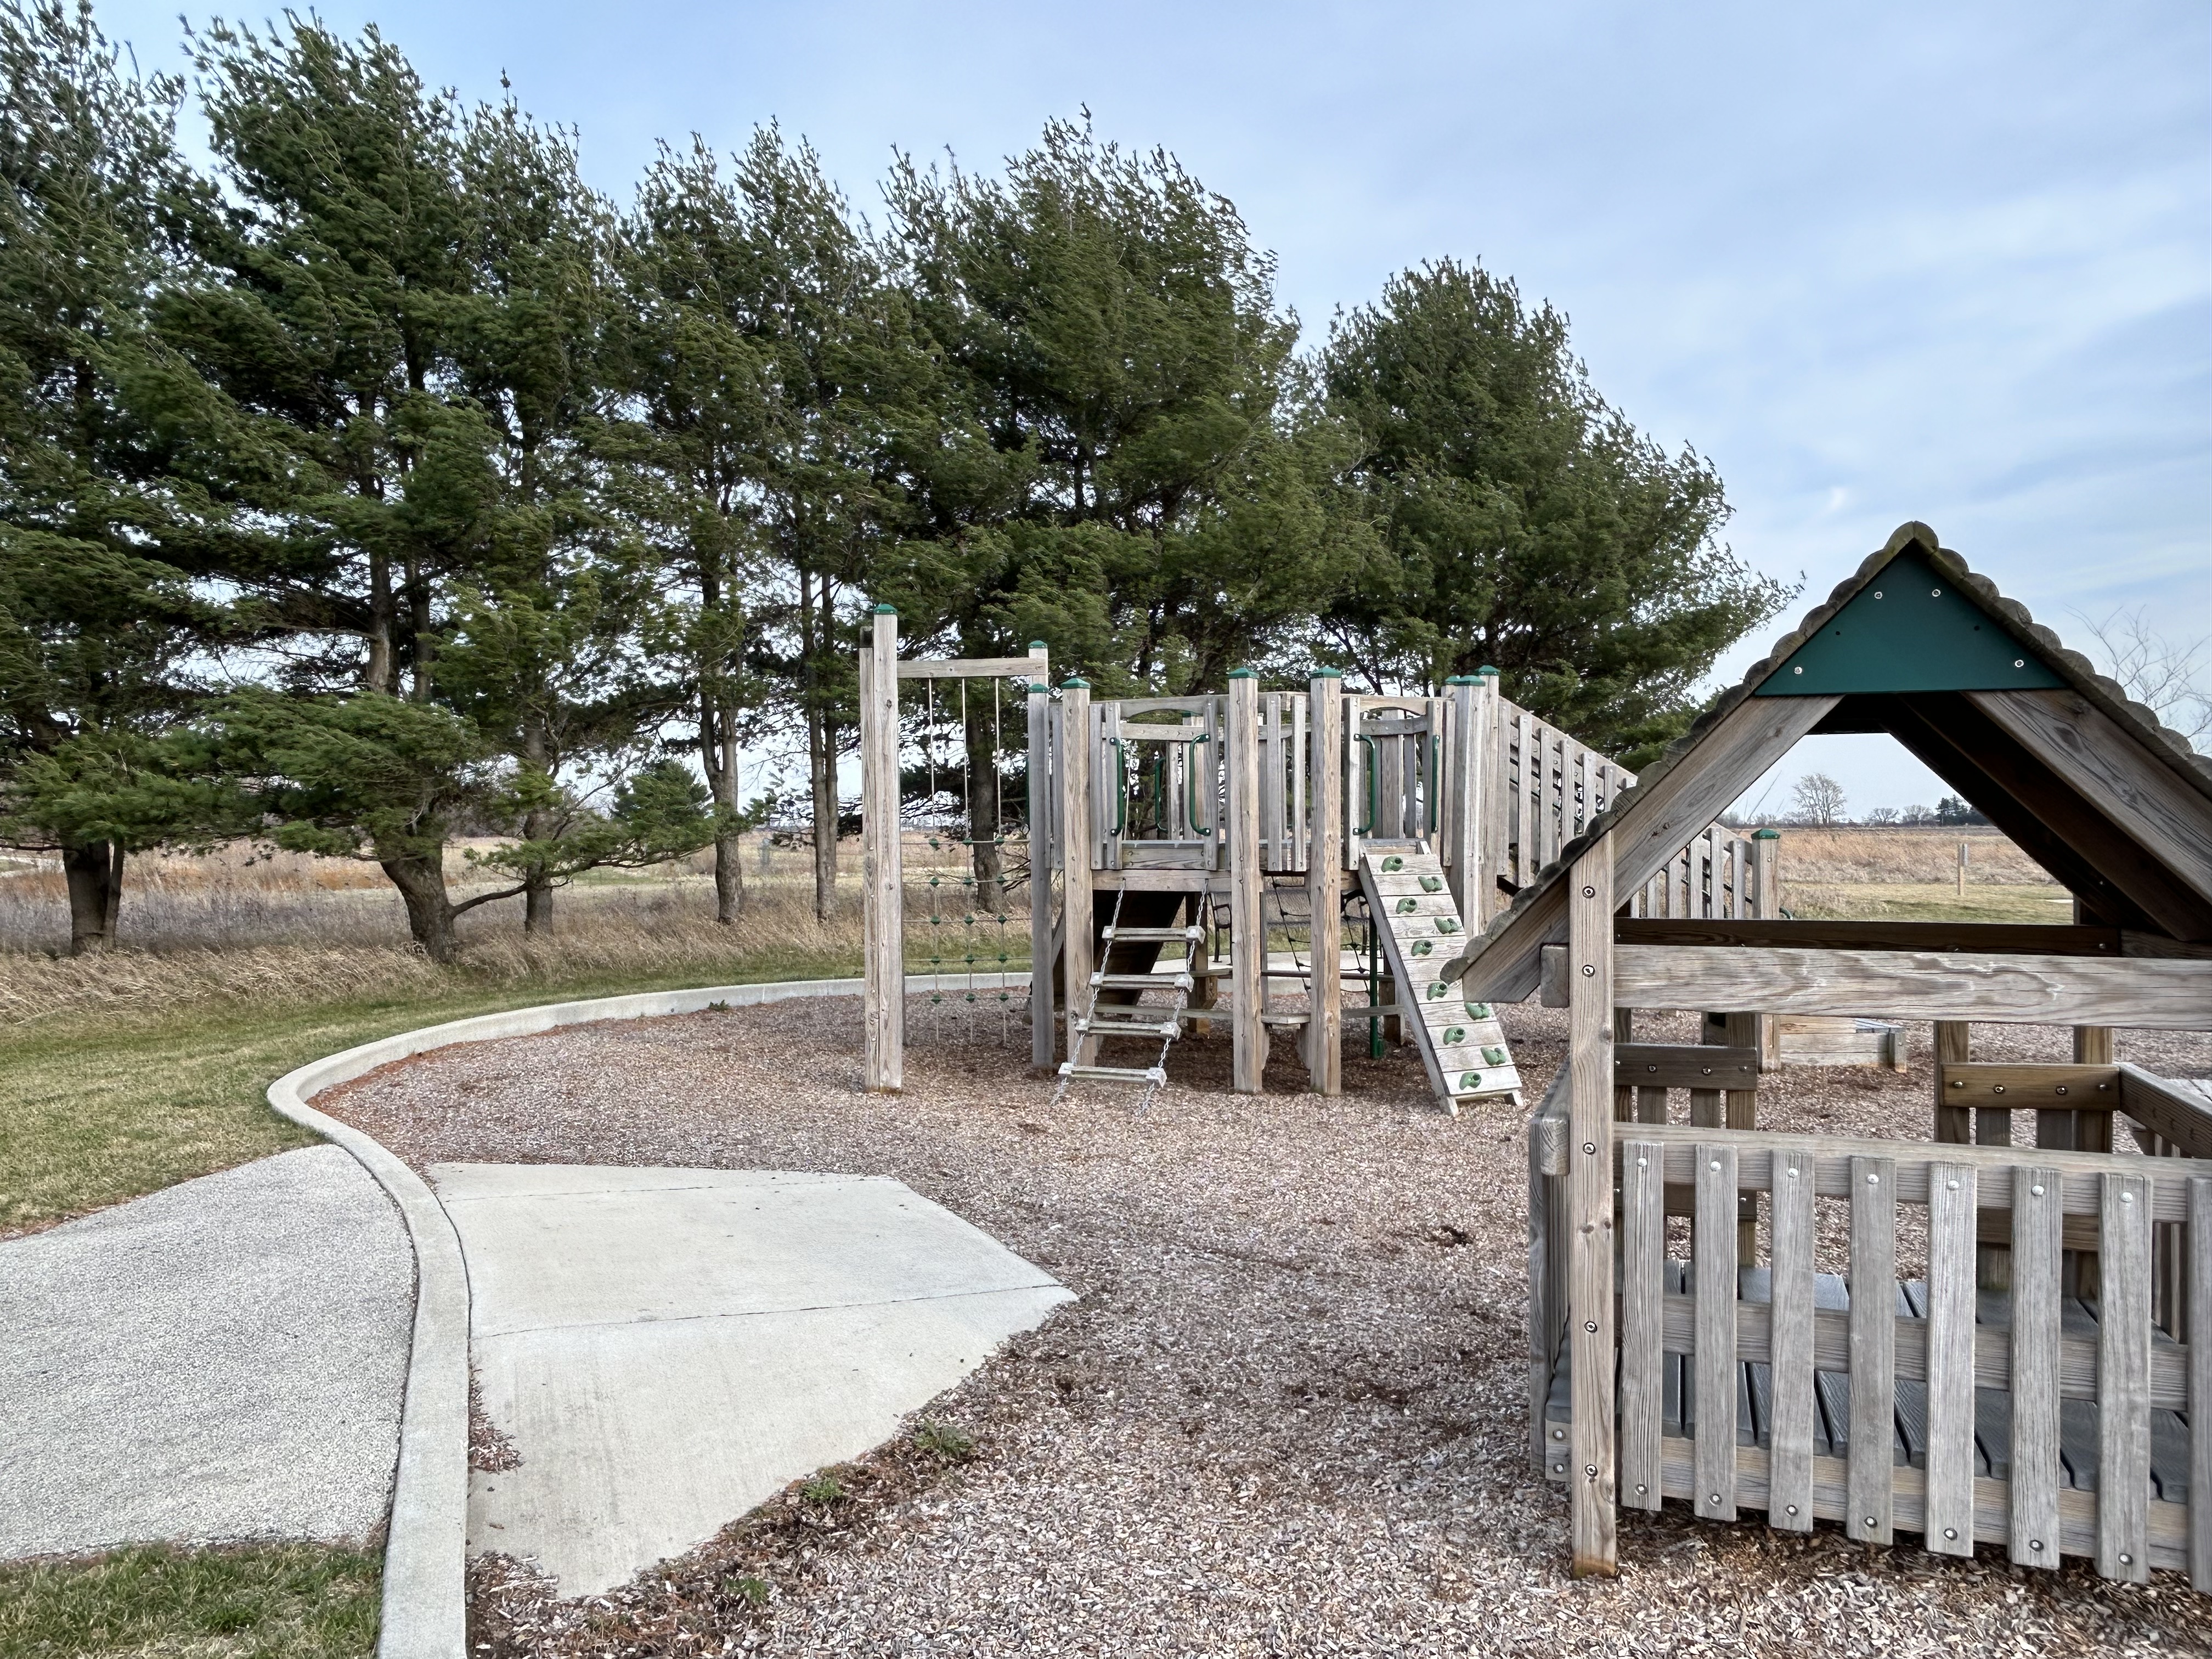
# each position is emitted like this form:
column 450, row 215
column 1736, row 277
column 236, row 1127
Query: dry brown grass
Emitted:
column 1854, row 854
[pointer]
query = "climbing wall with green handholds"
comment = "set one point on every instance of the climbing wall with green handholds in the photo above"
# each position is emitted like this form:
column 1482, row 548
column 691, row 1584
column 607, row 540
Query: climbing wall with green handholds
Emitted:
column 1462, row 1045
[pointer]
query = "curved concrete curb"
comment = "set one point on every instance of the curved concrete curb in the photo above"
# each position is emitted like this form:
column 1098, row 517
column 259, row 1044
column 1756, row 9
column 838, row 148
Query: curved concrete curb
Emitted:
column 425, row 1555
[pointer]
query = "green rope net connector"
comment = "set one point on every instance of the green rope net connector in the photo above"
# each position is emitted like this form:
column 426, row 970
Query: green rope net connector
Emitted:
column 1479, row 1011
column 933, row 845
column 1493, row 1056
column 1423, row 946
column 933, row 881
column 1454, row 1035
column 969, row 919
column 1393, row 863
column 933, row 997
column 1431, row 884
column 1408, row 906
column 1470, row 1081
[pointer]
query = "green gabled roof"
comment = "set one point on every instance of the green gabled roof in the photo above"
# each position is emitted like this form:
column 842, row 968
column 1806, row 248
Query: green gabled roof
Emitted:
column 1909, row 628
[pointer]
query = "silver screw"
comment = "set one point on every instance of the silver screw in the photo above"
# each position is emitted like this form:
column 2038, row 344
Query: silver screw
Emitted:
column 2038, row 1192
column 1874, row 1180
column 1952, row 1186
column 1558, row 1434
column 2126, row 1559
column 1590, row 1325
column 1951, row 1532
column 1640, row 1491
column 2035, row 1543
column 1589, row 892
column 1793, row 1508
column 1715, row 1165
column 1588, row 971
column 2127, row 1198
column 1871, row 1522
column 1590, row 1146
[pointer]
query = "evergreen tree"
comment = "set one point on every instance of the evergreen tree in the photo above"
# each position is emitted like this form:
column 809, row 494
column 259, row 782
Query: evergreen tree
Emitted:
column 1523, row 523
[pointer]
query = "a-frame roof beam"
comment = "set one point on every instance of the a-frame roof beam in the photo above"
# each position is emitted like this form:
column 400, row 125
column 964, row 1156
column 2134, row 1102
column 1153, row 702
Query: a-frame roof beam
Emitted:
column 2122, row 881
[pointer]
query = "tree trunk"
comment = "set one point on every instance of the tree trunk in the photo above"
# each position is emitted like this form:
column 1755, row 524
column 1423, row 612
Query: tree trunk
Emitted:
column 718, row 757
column 822, row 767
column 984, row 815
column 421, row 879
column 537, row 903
column 538, row 825
column 93, row 870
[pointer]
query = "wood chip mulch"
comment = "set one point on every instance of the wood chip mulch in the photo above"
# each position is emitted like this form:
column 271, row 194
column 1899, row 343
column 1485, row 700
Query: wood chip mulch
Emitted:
column 1288, row 1414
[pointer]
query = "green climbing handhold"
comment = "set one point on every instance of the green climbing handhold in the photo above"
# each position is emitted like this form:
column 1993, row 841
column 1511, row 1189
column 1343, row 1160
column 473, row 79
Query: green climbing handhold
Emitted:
column 1423, row 946
column 1438, row 988
column 1454, row 1035
column 1406, row 906
column 1446, row 925
column 1493, row 1056
column 1393, row 862
column 1470, row 1080
column 1479, row 1011
column 1431, row 884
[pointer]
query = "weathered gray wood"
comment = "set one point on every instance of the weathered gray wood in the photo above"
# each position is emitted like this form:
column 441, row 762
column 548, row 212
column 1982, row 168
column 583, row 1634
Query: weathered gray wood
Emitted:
column 1650, row 1105
column 1077, row 917
column 967, row 668
column 2112, row 769
column 2036, row 1213
column 1467, row 776
column 2200, row 1383
column 1683, row 1066
column 1042, row 1031
column 883, row 912
column 2147, row 994
column 2093, row 1088
column 1716, row 1262
column 1643, row 1288
column 1325, row 883
column 2174, row 1114
column 1951, row 1314
column 1655, row 818
column 1589, row 1214
column 2123, row 1381
column 1791, row 1504
column 1873, row 1347
column 1963, row 937
column 1248, row 958
column 1543, row 1276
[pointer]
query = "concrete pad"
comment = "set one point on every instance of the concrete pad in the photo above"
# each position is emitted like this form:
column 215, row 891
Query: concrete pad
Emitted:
column 668, row 1348
column 222, row 1359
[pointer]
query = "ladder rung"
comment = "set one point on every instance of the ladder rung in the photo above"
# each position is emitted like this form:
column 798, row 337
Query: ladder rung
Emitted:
column 1114, row 1073
column 1286, row 1019
column 1156, row 935
column 1166, row 1028
column 1142, row 982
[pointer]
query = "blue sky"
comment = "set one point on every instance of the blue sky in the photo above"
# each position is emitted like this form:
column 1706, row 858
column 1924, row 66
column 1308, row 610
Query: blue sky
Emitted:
column 1887, row 262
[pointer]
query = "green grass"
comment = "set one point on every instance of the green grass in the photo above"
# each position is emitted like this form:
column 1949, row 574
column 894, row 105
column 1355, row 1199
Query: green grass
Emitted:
column 1927, row 902
column 270, row 1601
column 98, row 1109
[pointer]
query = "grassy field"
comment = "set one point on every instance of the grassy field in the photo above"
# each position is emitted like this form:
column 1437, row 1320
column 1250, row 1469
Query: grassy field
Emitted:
column 277, row 1602
column 1853, row 873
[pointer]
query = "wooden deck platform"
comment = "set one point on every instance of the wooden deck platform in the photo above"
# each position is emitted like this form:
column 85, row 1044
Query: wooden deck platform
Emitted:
column 2169, row 1429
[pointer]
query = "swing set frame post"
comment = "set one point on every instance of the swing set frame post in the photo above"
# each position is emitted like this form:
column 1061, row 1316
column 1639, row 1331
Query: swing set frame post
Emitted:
column 1325, row 882
column 1043, row 857
column 883, row 872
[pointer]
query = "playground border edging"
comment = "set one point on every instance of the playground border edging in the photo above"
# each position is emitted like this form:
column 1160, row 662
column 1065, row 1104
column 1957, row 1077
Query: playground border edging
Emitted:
column 424, row 1606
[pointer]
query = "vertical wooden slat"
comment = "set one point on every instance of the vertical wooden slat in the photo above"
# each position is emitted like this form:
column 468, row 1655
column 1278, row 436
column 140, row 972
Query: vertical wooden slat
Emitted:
column 1497, row 776
column 1589, row 1207
column 1874, row 1347
column 1075, row 854
column 1789, row 1504
column 1248, row 944
column 1650, row 1105
column 2038, row 1212
column 1954, row 1046
column 1543, row 1316
column 884, row 912
column 1041, row 1032
column 2123, row 1379
column 1951, row 1303
column 1643, row 1319
column 1715, row 1498
column 2199, row 1293
column 1299, row 752
column 1325, row 883
column 1464, row 783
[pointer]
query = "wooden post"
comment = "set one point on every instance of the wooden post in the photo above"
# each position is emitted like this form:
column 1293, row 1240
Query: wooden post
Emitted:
column 2092, row 1046
column 1463, row 773
column 1766, row 906
column 1248, row 932
column 1491, row 803
column 1954, row 1046
column 1591, row 1477
column 1075, row 908
column 882, row 913
column 1325, row 883
column 1962, row 869
column 1042, row 1036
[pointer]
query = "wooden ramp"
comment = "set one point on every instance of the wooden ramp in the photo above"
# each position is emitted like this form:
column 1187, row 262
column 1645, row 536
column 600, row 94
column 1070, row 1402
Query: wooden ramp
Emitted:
column 1461, row 1044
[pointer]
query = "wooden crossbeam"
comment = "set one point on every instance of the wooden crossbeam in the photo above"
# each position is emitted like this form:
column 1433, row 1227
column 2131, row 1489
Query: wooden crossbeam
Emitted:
column 1683, row 1066
column 2077, row 1087
column 2004, row 939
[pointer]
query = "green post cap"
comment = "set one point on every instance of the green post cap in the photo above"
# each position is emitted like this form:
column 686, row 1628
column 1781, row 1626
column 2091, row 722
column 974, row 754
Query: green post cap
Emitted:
column 1038, row 645
column 1075, row 683
column 1487, row 670
column 1328, row 673
column 887, row 611
column 1039, row 685
column 1244, row 673
column 1766, row 835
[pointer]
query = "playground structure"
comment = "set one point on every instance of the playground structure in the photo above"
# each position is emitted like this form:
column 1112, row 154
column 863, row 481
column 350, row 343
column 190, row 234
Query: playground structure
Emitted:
column 1286, row 846
column 2048, row 1385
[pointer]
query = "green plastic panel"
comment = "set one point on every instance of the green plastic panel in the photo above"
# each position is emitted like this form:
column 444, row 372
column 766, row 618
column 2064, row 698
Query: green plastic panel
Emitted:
column 1909, row 630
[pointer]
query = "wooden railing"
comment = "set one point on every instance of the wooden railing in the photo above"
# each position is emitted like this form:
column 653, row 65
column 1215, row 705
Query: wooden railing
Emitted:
column 2052, row 1424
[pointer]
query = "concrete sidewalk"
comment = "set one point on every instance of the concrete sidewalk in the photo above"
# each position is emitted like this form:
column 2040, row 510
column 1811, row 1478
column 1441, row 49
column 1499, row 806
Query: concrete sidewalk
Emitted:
column 668, row 1348
column 221, row 1359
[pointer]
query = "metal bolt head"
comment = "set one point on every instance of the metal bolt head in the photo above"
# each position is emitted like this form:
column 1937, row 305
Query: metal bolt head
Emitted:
column 2037, row 1192
column 1590, row 1469
column 1792, row 1509
column 2127, row 1198
column 1589, row 892
column 2126, row 1559
column 1589, row 972
column 1558, row 1468
column 1714, row 1166
column 2035, row 1543
column 1590, row 1325
column 1792, row 1174
column 1715, row 1498
column 1871, row 1522
column 1951, row 1532
column 1590, row 1146
column 1874, row 1180
column 1558, row 1434
column 1640, row 1491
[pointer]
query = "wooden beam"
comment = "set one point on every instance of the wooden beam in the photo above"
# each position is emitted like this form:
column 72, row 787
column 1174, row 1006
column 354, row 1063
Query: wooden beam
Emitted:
column 1042, row 1035
column 1683, row 1065
column 2073, row 1088
column 2170, row 1112
column 1325, row 883
column 2055, row 940
column 1467, row 774
column 1075, row 906
column 1591, row 1478
column 2145, row 995
column 967, row 668
column 883, row 910
column 2110, row 768
column 1659, row 817
column 1248, row 932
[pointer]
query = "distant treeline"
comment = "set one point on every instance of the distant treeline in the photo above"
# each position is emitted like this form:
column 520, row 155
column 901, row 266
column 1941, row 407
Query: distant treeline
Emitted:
column 387, row 481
